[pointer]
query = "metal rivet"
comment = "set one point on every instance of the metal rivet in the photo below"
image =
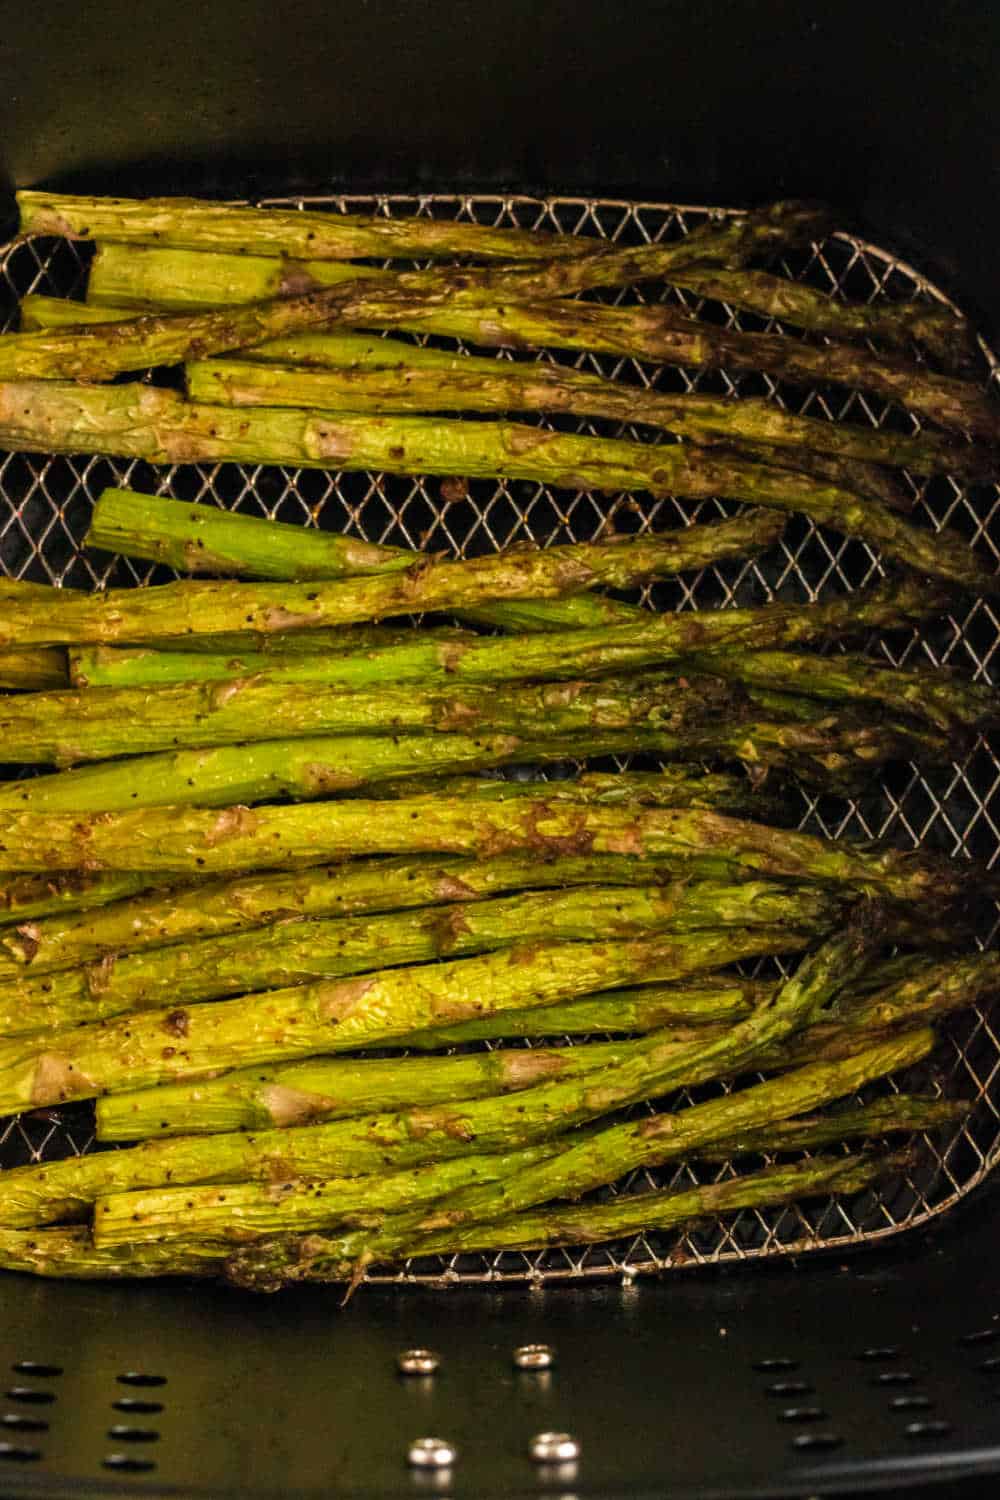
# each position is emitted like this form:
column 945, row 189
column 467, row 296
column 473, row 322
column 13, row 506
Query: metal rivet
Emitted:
column 553, row 1448
column 431, row 1453
column 418, row 1362
column 535, row 1357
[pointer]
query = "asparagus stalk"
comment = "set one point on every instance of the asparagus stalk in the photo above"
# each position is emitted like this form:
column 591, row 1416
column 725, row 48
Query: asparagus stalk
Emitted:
column 590, row 1223
column 206, row 841
column 946, row 701
column 158, row 425
column 175, row 611
column 900, row 1113
column 194, row 224
column 241, row 1100
column 602, row 1156
column 659, row 333
column 177, row 1043
column 23, row 898
column 756, row 428
column 939, row 330
column 304, row 953
column 677, row 719
column 66, row 1189
column 113, row 275
column 647, row 1066
column 332, row 1088
column 69, row 727
column 271, row 650
column 332, row 765
column 896, row 993
column 214, row 907
column 671, row 786
column 70, row 1252
column 93, row 354
column 378, row 362
column 42, row 667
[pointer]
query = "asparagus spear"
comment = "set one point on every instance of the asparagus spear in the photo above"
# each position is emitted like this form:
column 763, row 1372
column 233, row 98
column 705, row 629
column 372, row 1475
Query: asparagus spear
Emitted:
column 898, row 1113
column 26, row 897
column 241, row 1100
column 939, row 330
column 893, row 994
column 70, row 1252
column 947, row 701
column 304, row 953
column 113, row 269
column 454, row 382
column 158, row 425
column 91, row 354
column 42, row 667
column 176, row 611
column 198, row 225
column 69, row 727
column 167, row 531
column 602, row 1156
column 137, row 1051
column 320, row 767
column 690, row 718
column 372, row 364
column 66, row 1189
column 590, row 1223
column 206, row 841
column 195, row 224
column 647, row 1066
column 214, row 907
column 659, row 333
column 671, row 786
column 330, row 1088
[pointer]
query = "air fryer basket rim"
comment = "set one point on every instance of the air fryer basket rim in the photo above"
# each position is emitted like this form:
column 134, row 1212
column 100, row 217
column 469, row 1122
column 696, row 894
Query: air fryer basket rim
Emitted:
column 820, row 1477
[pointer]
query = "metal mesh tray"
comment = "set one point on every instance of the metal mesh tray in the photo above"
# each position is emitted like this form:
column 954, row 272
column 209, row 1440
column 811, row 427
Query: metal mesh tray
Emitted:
column 45, row 506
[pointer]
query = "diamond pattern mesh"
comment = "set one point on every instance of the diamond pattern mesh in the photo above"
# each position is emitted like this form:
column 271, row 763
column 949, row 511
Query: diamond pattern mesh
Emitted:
column 44, row 509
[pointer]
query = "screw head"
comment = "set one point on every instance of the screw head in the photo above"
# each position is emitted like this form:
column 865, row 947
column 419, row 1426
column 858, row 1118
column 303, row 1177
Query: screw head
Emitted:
column 554, row 1448
column 535, row 1357
column 431, row 1453
column 418, row 1362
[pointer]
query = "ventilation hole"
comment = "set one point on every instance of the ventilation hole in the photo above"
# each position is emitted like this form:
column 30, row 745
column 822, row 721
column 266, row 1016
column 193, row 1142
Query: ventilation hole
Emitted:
column 19, row 1454
column 894, row 1377
column 766, row 1366
column 813, row 1440
column 33, row 1367
column 981, row 1336
column 788, row 1388
column 882, row 1351
column 910, row 1403
column 14, row 1419
column 129, row 1463
column 133, row 1434
column 802, row 1414
column 137, row 1377
column 30, row 1396
column 927, row 1429
column 991, row 1366
column 137, row 1405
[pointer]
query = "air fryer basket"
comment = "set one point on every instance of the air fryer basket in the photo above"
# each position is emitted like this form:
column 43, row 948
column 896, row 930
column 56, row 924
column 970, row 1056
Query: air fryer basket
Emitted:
column 45, row 505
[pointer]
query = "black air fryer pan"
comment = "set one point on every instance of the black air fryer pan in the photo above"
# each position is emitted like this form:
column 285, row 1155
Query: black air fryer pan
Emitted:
column 797, row 1355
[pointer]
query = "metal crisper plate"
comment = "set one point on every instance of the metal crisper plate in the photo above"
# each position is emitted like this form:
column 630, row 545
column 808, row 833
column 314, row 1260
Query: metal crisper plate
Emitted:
column 45, row 506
